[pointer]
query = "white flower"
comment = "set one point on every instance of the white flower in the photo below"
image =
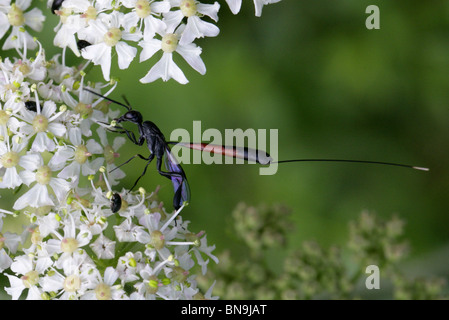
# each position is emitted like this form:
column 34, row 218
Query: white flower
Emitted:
column 110, row 154
column 126, row 231
column 31, row 272
column 39, row 195
column 10, row 159
column 79, row 154
column 67, row 244
column 43, row 123
column 235, row 5
column 104, row 289
column 146, row 13
column 74, row 16
column 166, row 68
column 104, row 33
column 129, row 266
column 195, row 27
column 103, row 247
column 75, row 279
column 13, row 15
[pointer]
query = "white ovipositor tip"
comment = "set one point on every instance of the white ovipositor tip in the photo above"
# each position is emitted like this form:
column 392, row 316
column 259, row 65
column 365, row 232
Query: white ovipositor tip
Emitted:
column 421, row 168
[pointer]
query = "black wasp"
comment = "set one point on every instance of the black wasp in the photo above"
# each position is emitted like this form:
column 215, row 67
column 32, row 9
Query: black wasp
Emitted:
column 158, row 148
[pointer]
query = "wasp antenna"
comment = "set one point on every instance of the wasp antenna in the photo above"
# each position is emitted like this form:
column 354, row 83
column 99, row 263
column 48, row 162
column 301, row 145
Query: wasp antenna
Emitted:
column 355, row 161
column 126, row 100
column 109, row 99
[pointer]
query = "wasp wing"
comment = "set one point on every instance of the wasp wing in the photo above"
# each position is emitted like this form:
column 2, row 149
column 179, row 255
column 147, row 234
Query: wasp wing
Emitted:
column 180, row 184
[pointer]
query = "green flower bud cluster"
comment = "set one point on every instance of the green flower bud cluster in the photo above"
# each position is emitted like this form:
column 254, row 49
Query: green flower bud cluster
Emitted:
column 264, row 271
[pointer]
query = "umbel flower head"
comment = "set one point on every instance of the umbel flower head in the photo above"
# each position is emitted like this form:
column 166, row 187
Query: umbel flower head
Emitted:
column 76, row 246
column 108, row 28
column 81, row 242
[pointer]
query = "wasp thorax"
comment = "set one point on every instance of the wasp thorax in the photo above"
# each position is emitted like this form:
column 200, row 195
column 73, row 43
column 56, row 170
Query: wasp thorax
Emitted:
column 43, row 175
column 10, row 159
column 81, row 154
column 40, row 123
column 15, row 16
column 169, row 42
column 112, row 37
column 188, row 8
column 143, row 9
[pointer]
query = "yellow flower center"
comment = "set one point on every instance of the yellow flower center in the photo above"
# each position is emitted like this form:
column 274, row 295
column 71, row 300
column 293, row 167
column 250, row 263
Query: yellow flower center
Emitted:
column 90, row 14
column 85, row 110
column 72, row 283
column 40, row 123
column 15, row 16
column 103, row 292
column 36, row 236
column 10, row 159
column 112, row 37
column 143, row 9
column 169, row 42
column 43, row 175
column 188, row 8
column 157, row 239
column 81, row 154
column 30, row 279
column 69, row 245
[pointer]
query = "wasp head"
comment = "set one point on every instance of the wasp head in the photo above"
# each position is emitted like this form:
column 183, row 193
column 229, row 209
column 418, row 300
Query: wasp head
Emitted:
column 131, row 116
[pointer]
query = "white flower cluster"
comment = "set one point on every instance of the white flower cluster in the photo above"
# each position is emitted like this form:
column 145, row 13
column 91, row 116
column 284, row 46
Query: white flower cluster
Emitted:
column 94, row 29
column 82, row 242
column 85, row 240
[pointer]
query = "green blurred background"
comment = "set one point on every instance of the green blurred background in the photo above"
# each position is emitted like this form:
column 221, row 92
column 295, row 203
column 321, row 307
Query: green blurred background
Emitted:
column 333, row 89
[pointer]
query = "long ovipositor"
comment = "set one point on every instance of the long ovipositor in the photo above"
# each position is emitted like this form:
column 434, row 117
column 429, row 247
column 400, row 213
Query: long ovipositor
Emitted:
column 247, row 154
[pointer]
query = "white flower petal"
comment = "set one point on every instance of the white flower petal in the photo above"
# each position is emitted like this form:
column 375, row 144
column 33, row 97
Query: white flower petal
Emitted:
column 27, row 177
column 125, row 54
column 23, row 4
column 191, row 53
column 36, row 197
column 234, row 5
column 11, row 179
column 16, row 287
column 165, row 69
column 150, row 47
column 4, row 24
column 72, row 171
column 58, row 129
column 100, row 54
column 31, row 161
column 42, row 143
column 34, row 19
column 60, row 187
column 48, row 109
column 94, row 147
column 197, row 28
column 210, row 10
